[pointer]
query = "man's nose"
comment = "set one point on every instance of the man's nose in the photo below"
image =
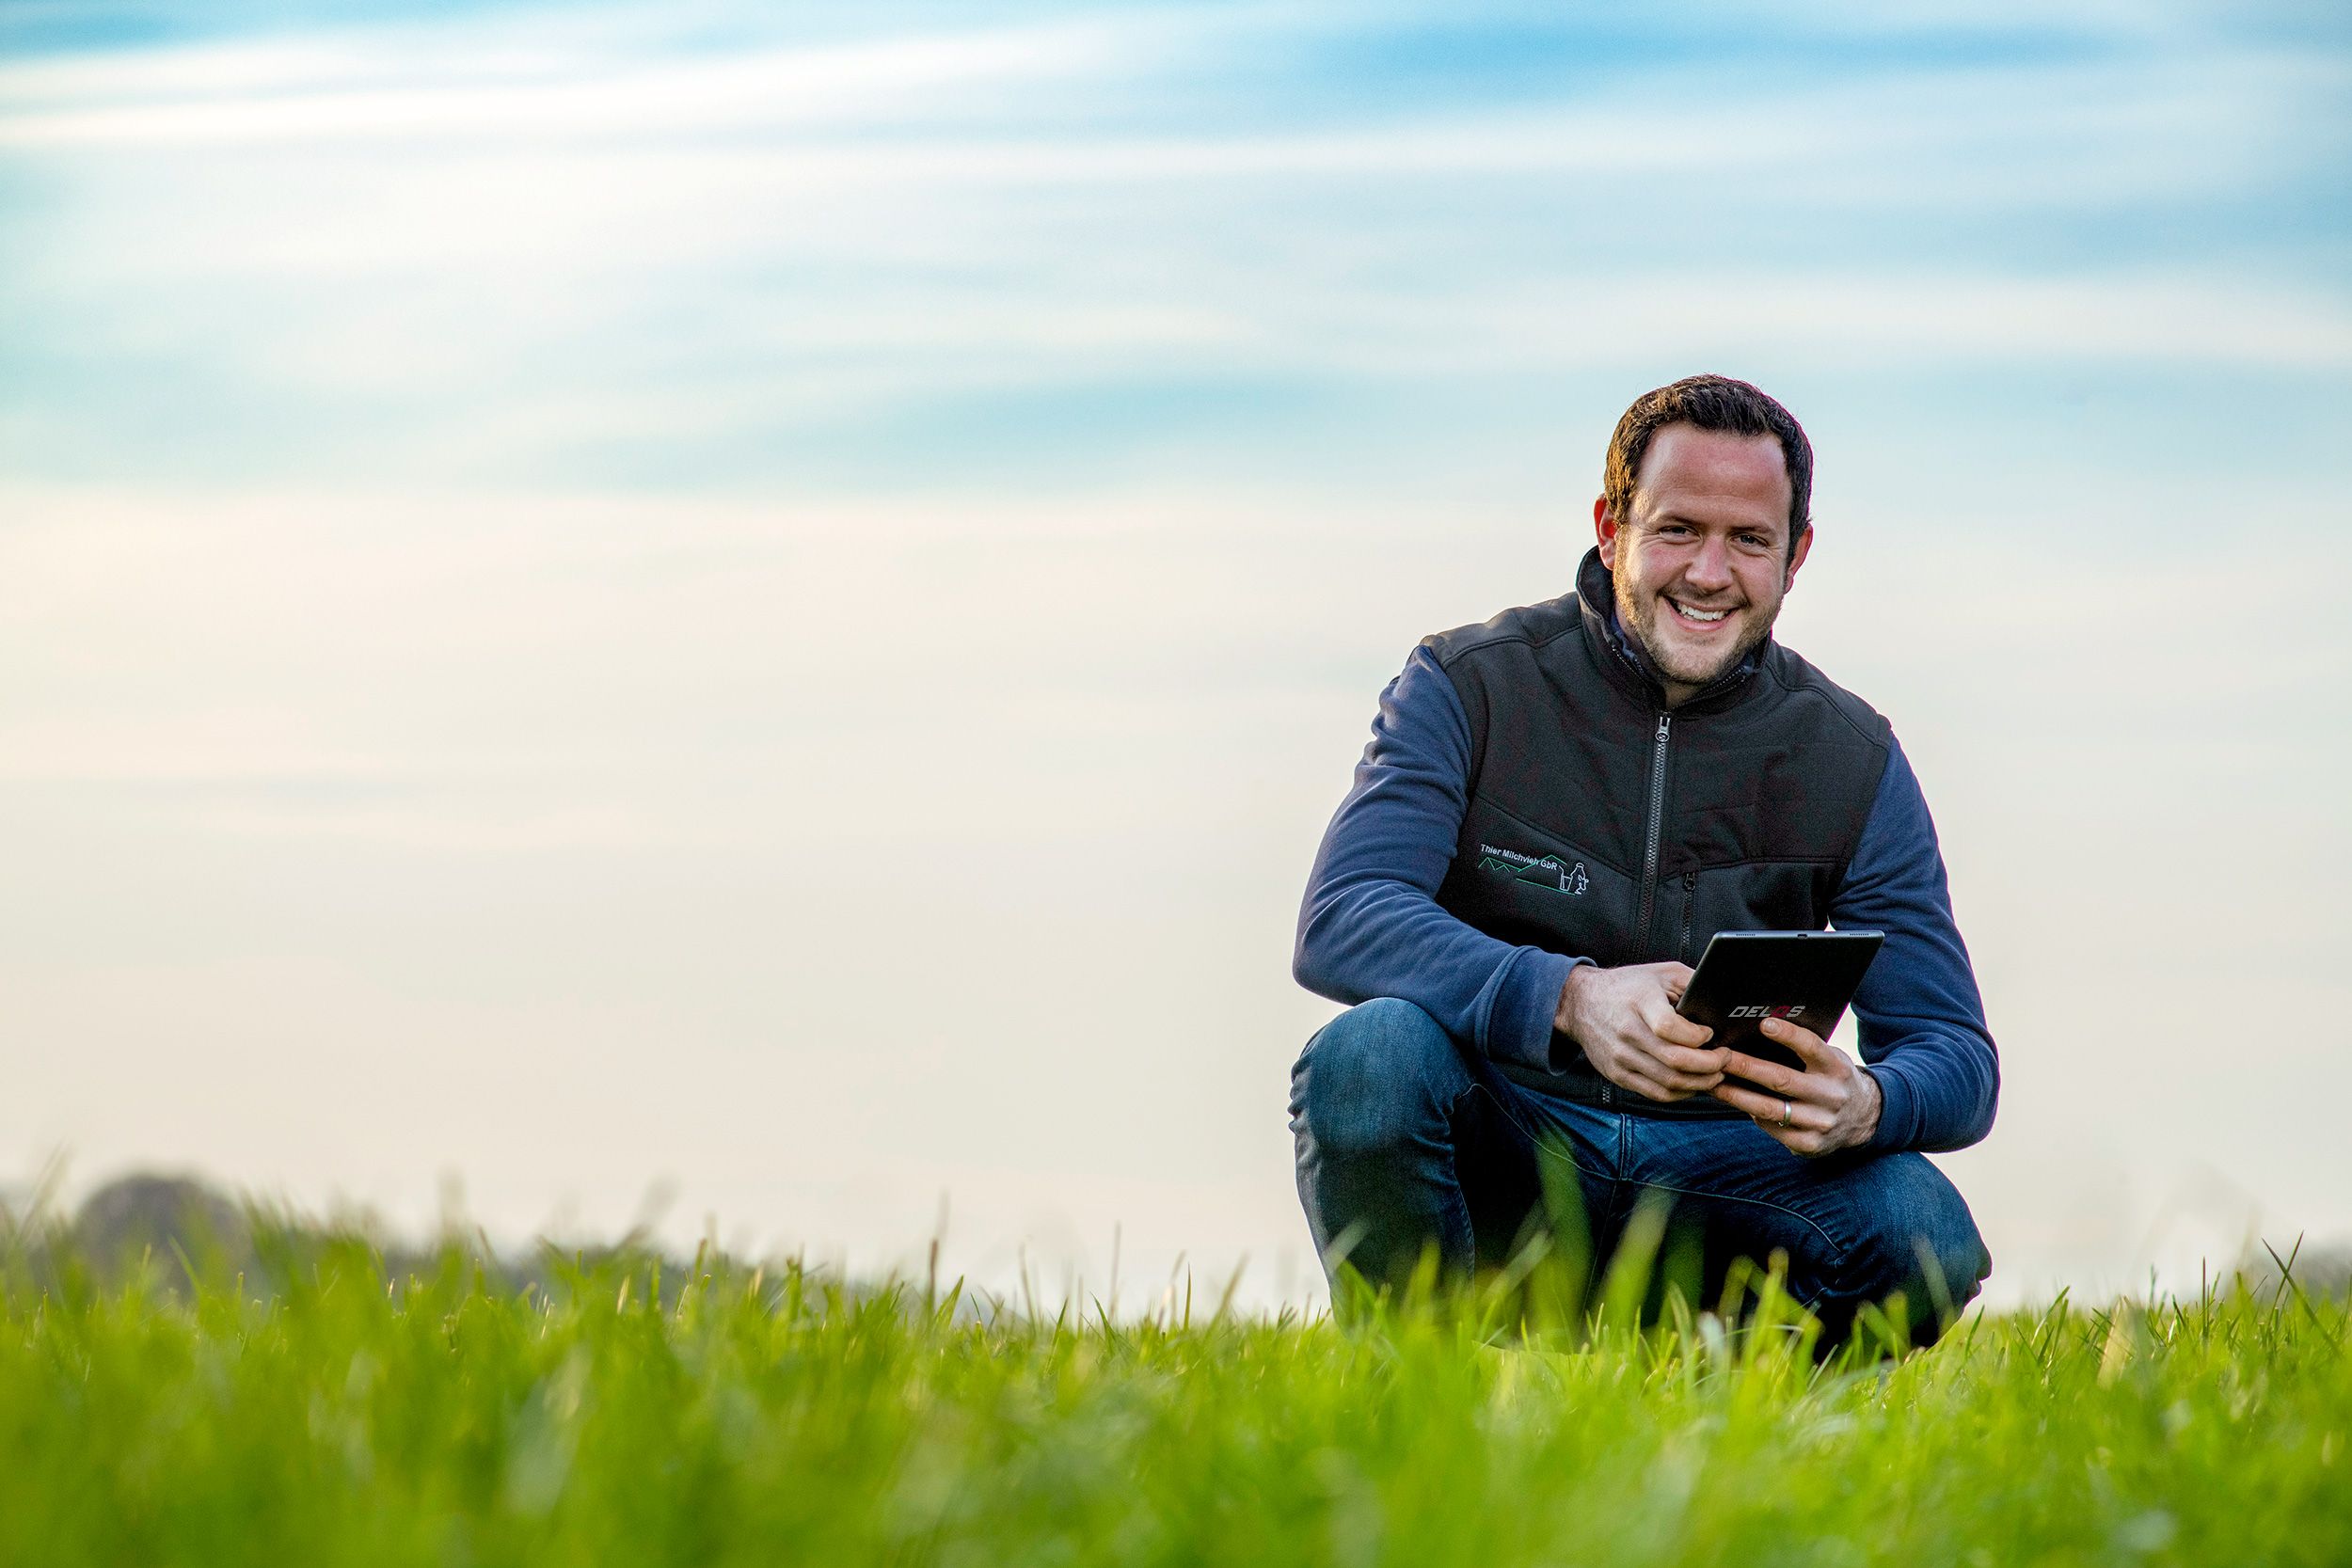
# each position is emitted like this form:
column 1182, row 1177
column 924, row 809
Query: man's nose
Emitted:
column 1711, row 567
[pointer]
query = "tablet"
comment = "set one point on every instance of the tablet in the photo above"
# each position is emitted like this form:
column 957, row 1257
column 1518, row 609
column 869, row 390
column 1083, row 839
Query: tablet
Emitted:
column 1808, row 977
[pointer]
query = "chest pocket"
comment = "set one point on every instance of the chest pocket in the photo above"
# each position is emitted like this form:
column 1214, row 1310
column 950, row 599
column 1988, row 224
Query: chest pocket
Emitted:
column 1527, row 885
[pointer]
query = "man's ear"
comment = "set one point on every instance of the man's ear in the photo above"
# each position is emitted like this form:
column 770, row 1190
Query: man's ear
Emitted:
column 1796, row 558
column 1605, row 529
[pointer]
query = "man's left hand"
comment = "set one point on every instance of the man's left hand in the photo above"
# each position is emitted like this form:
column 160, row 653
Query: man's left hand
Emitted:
column 1832, row 1104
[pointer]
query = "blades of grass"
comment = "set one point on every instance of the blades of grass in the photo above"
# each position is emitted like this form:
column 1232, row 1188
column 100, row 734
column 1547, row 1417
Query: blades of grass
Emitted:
column 2286, row 1273
column 1626, row 1283
column 1498, row 1298
column 1225, row 1297
column 1939, row 1288
column 1567, row 1279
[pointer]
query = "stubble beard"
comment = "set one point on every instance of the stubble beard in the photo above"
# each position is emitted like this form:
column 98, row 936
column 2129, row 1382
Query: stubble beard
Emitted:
column 1638, row 615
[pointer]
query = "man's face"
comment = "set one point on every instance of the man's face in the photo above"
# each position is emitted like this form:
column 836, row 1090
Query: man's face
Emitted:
column 1704, row 562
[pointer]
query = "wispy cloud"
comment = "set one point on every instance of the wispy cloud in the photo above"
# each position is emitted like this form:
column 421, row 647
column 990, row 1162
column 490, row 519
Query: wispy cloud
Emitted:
column 509, row 244
column 439, row 86
column 409, row 239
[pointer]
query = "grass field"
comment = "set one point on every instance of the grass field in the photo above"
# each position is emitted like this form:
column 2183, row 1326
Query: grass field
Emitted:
column 612, row 1416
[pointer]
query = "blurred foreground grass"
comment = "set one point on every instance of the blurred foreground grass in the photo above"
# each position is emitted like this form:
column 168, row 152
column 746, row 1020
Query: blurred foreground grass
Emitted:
column 605, row 1415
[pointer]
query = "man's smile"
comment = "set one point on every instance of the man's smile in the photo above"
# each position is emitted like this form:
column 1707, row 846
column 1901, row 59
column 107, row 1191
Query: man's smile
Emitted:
column 1690, row 615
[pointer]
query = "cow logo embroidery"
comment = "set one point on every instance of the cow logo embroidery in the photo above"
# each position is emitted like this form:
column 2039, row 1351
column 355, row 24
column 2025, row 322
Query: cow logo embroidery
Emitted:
column 1548, row 871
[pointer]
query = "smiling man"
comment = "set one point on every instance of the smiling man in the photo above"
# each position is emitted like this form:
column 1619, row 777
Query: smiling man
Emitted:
column 1557, row 809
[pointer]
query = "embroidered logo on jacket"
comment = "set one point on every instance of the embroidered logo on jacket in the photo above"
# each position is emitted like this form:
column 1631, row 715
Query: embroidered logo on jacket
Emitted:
column 1549, row 871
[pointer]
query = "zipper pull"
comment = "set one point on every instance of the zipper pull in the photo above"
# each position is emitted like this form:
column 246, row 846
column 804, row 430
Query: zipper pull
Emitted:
column 1663, row 720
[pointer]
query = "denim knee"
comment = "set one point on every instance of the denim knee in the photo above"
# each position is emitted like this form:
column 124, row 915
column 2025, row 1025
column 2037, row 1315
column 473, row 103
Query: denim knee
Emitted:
column 1378, row 1077
column 1919, row 1238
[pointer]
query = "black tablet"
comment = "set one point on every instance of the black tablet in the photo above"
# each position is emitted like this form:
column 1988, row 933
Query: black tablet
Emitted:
column 1808, row 977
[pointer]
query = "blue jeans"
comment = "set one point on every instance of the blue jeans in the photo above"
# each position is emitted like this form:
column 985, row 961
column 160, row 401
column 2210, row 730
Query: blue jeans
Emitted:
column 1406, row 1138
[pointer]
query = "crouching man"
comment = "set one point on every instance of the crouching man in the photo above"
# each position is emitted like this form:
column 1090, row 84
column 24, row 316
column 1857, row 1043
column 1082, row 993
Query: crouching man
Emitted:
column 1557, row 809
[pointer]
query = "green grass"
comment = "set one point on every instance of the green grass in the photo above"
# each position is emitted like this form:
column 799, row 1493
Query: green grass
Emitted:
column 612, row 1416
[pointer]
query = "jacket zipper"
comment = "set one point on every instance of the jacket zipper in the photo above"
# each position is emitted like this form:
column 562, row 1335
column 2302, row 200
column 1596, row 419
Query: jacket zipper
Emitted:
column 1657, row 819
column 1690, row 890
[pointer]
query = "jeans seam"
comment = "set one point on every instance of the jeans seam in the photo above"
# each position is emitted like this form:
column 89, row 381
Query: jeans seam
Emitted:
column 1843, row 1250
column 1542, row 1146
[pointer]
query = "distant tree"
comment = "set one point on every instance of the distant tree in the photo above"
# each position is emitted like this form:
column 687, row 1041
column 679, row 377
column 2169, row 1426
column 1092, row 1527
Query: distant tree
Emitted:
column 161, row 1219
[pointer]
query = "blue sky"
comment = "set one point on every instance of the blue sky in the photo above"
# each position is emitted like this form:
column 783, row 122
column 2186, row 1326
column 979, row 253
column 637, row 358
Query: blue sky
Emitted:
column 508, row 517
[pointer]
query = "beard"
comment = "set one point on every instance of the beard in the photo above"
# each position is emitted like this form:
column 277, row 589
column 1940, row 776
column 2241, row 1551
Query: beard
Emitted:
column 1640, row 611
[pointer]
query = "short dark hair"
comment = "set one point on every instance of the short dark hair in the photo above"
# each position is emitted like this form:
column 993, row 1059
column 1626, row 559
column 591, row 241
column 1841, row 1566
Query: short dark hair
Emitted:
column 1710, row 402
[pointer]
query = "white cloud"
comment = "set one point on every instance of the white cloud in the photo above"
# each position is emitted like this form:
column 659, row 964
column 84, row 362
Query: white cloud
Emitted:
column 440, row 87
column 855, row 223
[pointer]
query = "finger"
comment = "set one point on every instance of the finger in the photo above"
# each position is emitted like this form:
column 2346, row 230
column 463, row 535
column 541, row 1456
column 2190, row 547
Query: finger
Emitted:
column 1676, row 977
column 1651, row 1088
column 1810, row 1047
column 1674, row 1028
column 1630, row 1069
column 1682, row 1059
column 1682, row 1082
column 1768, row 1108
column 1764, row 1107
column 1691, row 1071
column 1768, row 1075
column 1796, row 1140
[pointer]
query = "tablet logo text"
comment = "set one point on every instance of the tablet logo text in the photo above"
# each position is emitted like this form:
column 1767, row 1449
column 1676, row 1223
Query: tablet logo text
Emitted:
column 1790, row 1013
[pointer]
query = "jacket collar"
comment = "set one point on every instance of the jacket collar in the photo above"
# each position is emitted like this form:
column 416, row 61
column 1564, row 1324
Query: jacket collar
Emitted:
column 1629, row 663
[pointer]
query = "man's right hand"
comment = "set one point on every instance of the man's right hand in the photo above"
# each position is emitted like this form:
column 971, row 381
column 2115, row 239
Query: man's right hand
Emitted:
column 1625, row 1018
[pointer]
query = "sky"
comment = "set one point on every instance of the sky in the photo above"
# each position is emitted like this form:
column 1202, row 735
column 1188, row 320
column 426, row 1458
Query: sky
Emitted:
column 747, row 618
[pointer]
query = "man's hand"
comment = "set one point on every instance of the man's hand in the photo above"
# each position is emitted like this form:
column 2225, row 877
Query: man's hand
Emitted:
column 1832, row 1104
column 1625, row 1018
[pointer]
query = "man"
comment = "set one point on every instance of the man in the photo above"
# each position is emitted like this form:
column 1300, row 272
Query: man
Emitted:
column 1557, row 809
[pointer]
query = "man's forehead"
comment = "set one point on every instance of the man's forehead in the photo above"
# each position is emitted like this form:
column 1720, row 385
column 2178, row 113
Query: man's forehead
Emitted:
column 1688, row 466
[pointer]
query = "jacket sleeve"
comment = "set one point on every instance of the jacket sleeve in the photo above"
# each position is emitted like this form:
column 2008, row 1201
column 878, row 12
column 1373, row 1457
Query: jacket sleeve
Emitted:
column 1371, row 925
column 1919, row 1015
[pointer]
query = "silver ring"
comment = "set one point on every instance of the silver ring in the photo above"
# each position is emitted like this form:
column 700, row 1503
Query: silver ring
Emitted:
column 1785, row 1111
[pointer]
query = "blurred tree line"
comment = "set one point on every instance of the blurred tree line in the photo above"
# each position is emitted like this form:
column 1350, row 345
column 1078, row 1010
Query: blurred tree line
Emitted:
column 176, row 1228
column 172, row 1231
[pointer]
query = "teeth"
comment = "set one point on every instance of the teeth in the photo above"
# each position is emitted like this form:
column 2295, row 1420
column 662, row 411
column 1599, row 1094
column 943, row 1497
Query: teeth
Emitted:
column 1700, row 614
